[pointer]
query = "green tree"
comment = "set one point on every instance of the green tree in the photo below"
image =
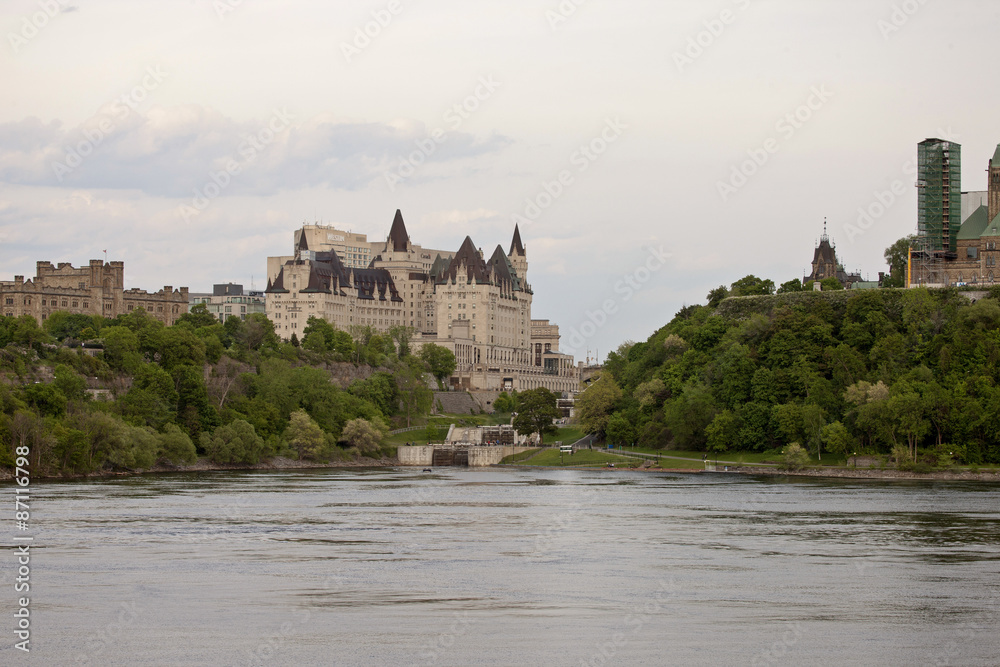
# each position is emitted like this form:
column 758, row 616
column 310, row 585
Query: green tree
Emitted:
column 363, row 434
column 536, row 411
column 722, row 434
column 175, row 446
column 199, row 316
column 440, row 361
column 716, row 296
column 414, row 395
column 236, row 442
column 595, row 405
column 621, row 430
column 504, row 403
column 794, row 285
column 69, row 383
column 305, row 436
column 837, row 439
column 752, row 286
column 796, row 458
column 897, row 257
column 831, row 284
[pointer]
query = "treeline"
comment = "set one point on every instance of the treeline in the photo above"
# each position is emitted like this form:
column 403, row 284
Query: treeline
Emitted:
column 912, row 374
column 232, row 392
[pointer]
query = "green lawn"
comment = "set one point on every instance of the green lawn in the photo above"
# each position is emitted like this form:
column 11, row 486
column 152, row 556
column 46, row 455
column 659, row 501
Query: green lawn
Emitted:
column 566, row 434
column 584, row 457
column 517, row 458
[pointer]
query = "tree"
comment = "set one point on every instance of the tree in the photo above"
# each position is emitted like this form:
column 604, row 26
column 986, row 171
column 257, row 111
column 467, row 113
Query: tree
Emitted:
column 831, row 284
column 621, row 430
column 722, row 434
column 440, row 361
column 796, row 458
column 304, row 435
column 897, row 257
column 236, row 442
column 716, row 296
column 363, row 434
column 401, row 336
column 258, row 332
column 199, row 316
column 536, row 410
column 751, row 285
column 837, row 439
column 794, row 285
column 413, row 392
column 504, row 403
column 175, row 446
column 595, row 405
column 69, row 383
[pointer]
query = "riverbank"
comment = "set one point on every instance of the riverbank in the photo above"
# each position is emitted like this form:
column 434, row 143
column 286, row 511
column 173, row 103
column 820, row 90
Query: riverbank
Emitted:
column 868, row 473
column 204, row 465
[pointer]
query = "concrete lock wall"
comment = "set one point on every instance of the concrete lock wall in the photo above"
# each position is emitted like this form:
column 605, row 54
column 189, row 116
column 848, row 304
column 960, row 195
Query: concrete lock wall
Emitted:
column 416, row 455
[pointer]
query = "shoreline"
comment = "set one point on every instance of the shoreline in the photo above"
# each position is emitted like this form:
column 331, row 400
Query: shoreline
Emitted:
column 282, row 463
column 204, row 465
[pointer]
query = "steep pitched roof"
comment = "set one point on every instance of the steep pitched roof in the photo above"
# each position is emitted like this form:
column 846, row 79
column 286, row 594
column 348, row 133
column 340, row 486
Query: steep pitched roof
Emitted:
column 825, row 254
column 303, row 244
column 996, row 156
column 975, row 224
column 994, row 228
column 515, row 244
column 467, row 257
column 506, row 274
column 397, row 235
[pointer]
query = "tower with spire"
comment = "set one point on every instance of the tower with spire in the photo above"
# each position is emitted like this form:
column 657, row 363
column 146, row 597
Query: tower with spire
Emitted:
column 518, row 256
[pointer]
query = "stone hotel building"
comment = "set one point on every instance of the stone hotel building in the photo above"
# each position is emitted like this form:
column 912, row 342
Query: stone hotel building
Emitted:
column 478, row 308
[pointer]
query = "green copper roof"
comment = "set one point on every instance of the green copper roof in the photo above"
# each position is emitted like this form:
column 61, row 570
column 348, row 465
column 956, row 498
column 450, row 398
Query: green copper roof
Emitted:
column 994, row 228
column 974, row 225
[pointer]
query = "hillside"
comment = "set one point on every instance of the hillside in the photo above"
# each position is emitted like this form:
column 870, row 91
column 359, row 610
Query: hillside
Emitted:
column 912, row 374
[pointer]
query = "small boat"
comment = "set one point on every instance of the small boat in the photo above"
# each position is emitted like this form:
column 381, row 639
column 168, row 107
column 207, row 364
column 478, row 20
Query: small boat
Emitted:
column 428, row 470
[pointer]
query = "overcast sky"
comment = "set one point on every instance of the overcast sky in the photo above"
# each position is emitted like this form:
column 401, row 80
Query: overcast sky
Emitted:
column 190, row 139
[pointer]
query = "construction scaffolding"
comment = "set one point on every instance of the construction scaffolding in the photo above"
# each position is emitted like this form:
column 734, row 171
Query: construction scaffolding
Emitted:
column 939, row 208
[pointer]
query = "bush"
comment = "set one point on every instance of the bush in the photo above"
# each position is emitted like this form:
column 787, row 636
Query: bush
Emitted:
column 796, row 458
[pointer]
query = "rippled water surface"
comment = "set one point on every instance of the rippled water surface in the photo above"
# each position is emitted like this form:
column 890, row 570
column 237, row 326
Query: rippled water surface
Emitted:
column 504, row 567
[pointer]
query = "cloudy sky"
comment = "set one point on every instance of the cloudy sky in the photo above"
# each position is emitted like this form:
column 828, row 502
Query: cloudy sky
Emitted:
column 651, row 150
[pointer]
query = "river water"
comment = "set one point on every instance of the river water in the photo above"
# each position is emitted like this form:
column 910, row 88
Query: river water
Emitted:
column 510, row 567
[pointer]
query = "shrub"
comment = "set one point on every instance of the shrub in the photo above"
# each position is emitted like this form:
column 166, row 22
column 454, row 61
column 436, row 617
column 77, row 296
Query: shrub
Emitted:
column 796, row 458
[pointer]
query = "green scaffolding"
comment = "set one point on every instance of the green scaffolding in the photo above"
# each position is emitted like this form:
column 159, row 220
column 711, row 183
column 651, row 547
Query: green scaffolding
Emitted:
column 939, row 202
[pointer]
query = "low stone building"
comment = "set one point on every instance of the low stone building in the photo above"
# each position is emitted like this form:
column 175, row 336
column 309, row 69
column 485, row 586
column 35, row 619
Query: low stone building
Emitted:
column 96, row 289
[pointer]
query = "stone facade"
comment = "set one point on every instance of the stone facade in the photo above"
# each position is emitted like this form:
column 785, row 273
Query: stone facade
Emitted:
column 96, row 289
column 479, row 309
column 976, row 259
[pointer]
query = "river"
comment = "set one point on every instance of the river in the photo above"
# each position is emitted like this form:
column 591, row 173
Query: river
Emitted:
column 509, row 567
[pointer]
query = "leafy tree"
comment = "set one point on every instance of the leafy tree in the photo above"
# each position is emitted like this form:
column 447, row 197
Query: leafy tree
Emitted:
column 536, row 411
column 794, row 285
column 597, row 403
column 414, row 395
column 621, row 430
column 236, row 442
column 831, row 284
column 44, row 398
column 381, row 390
column 305, row 436
column 440, row 361
column 175, row 446
column 752, row 286
column 504, row 403
column 837, row 439
column 716, row 296
column 897, row 257
column 796, row 458
column 723, row 433
column 364, row 435
column 69, row 383
column 198, row 316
